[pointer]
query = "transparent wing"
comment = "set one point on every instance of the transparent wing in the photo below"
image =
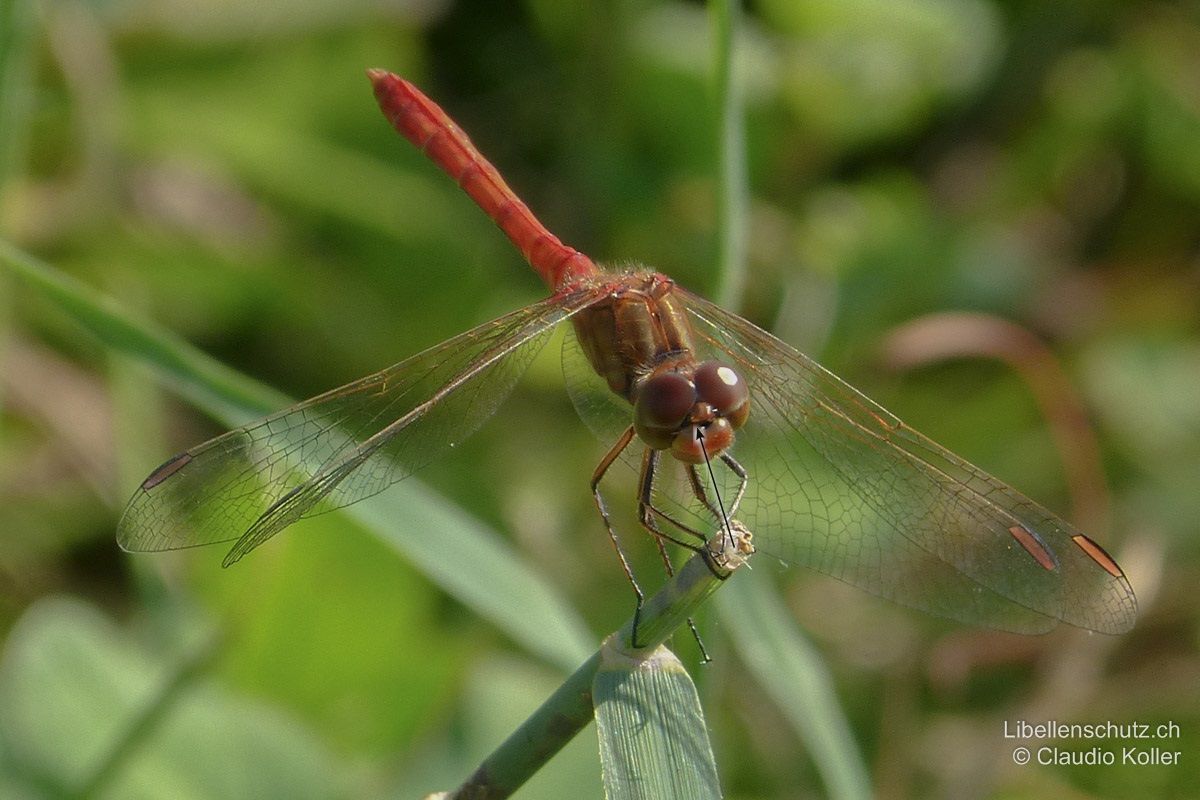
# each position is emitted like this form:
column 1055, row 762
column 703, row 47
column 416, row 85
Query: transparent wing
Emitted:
column 838, row 484
column 342, row 446
column 605, row 413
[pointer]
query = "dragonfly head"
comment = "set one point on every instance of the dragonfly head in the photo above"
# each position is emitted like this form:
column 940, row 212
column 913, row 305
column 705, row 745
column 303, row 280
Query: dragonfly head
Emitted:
column 691, row 409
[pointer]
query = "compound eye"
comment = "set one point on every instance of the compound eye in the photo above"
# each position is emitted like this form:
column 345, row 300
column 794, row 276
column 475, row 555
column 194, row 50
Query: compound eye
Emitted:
column 720, row 386
column 665, row 401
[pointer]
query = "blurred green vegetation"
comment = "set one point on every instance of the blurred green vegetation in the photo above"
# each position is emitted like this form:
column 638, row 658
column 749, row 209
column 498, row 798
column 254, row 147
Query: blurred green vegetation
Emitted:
column 222, row 169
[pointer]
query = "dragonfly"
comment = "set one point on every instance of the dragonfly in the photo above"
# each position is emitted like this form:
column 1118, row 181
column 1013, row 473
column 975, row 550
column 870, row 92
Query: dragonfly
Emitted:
column 720, row 420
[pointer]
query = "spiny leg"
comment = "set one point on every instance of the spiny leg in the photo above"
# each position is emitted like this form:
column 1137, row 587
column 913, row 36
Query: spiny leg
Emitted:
column 647, row 508
column 646, row 511
column 701, row 495
column 723, row 518
column 601, row 469
column 743, row 480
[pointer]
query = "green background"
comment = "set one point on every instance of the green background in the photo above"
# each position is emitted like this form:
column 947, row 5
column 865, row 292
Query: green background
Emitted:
column 222, row 170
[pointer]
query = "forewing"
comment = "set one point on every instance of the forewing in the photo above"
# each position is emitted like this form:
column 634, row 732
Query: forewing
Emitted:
column 341, row 446
column 838, row 484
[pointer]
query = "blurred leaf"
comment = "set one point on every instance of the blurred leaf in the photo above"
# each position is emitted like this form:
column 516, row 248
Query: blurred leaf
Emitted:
column 250, row 22
column 797, row 680
column 71, row 687
column 653, row 737
column 457, row 552
column 1165, row 52
column 17, row 30
column 733, row 194
column 860, row 71
column 389, row 658
column 358, row 189
column 1145, row 391
column 500, row 693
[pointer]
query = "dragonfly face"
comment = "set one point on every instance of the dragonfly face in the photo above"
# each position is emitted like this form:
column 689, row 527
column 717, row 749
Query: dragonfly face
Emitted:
column 691, row 409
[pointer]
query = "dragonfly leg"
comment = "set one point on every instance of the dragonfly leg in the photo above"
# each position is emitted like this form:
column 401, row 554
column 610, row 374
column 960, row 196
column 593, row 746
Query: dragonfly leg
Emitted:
column 670, row 568
column 743, row 479
column 649, row 514
column 701, row 494
column 601, row 469
column 646, row 511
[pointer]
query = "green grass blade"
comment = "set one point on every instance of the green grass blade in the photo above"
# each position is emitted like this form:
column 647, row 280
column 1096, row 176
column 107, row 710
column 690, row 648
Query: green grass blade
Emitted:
column 417, row 209
column 733, row 196
column 653, row 737
column 792, row 673
column 570, row 708
column 89, row 709
column 143, row 722
column 17, row 29
column 206, row 383
column 766, row 637
column 470, row 561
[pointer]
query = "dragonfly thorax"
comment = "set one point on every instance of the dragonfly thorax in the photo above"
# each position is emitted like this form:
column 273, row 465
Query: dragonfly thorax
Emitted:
column 640, row 341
